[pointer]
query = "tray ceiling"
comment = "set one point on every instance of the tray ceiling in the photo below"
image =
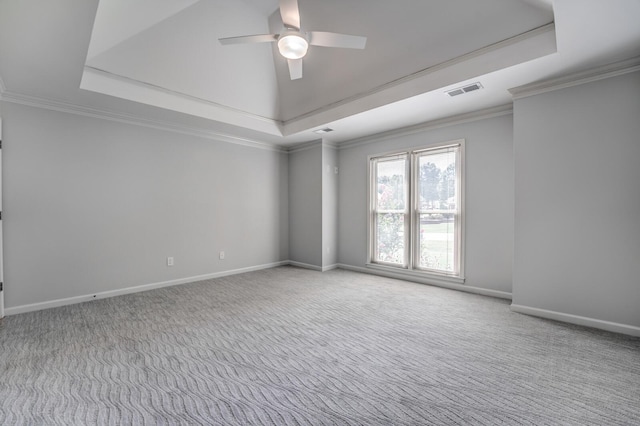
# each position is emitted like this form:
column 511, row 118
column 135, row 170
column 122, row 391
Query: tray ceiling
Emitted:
column 158, row 62
column 166, row 53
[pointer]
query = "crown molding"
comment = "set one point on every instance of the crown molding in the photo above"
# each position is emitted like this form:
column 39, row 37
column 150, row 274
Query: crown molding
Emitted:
column 329, row 144
column 482, row 114
column 305, row 146
column 599, row 73
column 523, row 47
column 60, row 106
column 105, row 82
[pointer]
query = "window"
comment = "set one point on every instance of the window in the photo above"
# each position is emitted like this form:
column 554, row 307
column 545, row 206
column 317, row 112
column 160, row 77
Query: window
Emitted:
column 415, row 214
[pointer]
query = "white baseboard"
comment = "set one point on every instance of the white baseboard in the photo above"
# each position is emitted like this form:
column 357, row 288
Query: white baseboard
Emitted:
column 543, row 313
column 304, row 265
column 329, row 267
column 136, row 289
column 433, row 282
column 313, row 267
column 578, row 320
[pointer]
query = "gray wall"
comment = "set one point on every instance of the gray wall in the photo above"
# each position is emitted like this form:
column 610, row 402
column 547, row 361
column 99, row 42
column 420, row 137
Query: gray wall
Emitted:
column 489, row 197
column 577, row 205
column 329, row 206
column 93, row 205
column 305, row 205
column 313, row 205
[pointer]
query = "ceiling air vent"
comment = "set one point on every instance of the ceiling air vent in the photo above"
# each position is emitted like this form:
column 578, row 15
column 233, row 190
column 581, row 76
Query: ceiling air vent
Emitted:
column 471, row 88
column 322, row 131
column 465, row 89
column 455, row 92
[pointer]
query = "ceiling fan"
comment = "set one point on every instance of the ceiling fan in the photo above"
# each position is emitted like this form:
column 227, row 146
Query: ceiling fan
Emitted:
column 293, row 42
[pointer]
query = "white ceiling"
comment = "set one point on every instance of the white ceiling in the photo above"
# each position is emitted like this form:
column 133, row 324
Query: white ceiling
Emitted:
column 160, row 59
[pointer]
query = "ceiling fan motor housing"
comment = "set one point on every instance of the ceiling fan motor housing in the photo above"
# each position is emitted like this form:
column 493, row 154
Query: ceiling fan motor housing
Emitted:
column 293, row 44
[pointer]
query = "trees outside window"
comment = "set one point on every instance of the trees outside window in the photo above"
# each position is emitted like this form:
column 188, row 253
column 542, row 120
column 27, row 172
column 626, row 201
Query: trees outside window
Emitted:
column 391, row 209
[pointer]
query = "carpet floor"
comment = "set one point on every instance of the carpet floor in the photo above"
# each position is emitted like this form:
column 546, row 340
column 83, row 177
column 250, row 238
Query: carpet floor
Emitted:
column 288, row 346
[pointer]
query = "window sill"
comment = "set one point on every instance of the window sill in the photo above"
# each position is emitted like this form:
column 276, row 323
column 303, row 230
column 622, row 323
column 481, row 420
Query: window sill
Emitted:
column 420, row 276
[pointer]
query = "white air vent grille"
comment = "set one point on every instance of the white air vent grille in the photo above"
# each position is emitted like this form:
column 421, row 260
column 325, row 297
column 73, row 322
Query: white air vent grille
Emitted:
column 471, row 88
column 465, row 89
column 325, row 130
column 456, row 92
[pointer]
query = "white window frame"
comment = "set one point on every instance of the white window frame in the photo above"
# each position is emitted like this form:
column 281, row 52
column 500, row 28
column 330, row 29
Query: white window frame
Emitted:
column 411, row 265
column 407, row 207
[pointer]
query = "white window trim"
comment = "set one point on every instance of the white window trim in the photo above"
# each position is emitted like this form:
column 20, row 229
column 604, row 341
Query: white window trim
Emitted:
column 409, row 270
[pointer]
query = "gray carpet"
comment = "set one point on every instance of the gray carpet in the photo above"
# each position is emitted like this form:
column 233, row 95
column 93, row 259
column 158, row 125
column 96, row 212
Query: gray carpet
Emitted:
column 287, row 346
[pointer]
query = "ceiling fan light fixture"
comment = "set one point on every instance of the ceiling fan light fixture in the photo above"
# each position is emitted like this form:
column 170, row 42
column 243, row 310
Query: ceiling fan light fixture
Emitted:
column 293, row 45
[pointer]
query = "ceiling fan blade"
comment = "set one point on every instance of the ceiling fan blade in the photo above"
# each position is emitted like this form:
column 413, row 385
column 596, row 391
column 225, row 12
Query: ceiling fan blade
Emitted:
column 322, row 38
column 290, row 14
column 295, row 68
column 259, row 38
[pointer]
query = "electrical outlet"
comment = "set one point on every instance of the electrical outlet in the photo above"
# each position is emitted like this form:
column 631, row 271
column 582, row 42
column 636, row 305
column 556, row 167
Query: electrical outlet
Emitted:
column 169, row 261
column 221, row 255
